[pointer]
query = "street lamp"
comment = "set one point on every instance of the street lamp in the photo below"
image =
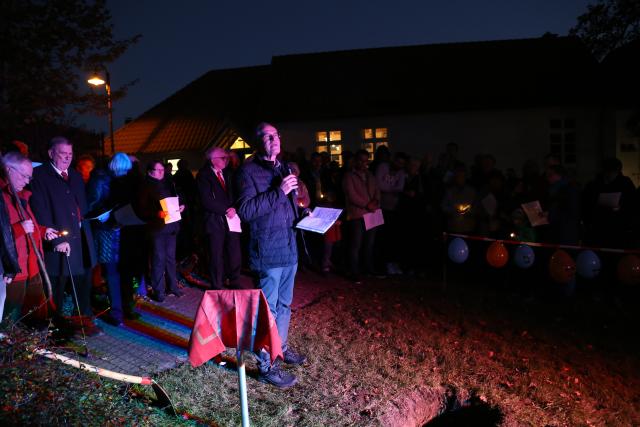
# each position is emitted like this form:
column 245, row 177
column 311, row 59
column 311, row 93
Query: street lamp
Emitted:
column 97, row 81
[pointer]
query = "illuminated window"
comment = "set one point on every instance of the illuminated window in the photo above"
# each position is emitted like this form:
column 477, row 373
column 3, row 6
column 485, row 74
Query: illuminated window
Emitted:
column 330, row 142
column 321, row 136
column 174, row 163
column 374, row 138
column 239, row 144
column 336, row 153
column 562, row 139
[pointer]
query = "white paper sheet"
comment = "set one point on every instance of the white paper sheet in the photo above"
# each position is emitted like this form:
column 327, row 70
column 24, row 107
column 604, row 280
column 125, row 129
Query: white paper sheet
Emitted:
column 535, row 214
column 320, row 220
column 490, row 204
column 373, row 219
column 101, row 216
column 609, row 200
column 126, row 216
column 171, row 205
column 234, row 224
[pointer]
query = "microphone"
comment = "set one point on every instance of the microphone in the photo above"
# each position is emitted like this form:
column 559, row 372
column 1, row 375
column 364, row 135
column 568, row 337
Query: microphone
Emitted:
column 294, row 192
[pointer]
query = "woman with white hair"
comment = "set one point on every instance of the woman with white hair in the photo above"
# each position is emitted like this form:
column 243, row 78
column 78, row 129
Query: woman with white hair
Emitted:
column 108, row 190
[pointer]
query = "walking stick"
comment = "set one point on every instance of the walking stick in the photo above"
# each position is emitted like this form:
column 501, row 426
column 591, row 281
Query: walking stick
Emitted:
column 43, row 269
column 75, row 296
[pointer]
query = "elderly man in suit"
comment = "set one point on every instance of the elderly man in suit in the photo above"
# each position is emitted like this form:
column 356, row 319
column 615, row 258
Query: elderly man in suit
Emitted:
column 216, row 196
column 266, row 189
column 59, row 202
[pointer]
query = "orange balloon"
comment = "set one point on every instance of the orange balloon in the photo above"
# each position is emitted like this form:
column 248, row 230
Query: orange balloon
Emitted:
column 562, row 267
column 629, row 270
column 497, row 255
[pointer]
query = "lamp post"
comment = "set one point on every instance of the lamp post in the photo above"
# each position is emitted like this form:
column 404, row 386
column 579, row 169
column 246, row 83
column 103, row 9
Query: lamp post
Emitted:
column 97, row 81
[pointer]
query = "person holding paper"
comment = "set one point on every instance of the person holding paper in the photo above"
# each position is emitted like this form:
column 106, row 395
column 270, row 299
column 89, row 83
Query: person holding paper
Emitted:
column 266, row 191
column 215, row 190
column 562, row 209
column 362, row 196
column 608, row 207
column 108, row 189
column 161, row 230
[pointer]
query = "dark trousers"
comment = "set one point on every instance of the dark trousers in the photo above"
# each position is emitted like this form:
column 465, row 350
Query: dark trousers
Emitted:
column 163, row 262
column 120, row 290
column 82, row 287
column 23, row 296
column 360, row 240
column 224, row 258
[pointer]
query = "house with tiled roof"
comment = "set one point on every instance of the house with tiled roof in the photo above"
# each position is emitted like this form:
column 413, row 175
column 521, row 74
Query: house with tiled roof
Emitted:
column 214, row 110
column 515, row 99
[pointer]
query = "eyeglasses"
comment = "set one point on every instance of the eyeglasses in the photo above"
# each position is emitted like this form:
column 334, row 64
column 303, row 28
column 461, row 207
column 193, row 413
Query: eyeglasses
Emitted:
column 25, row 176
column 270, row 136
column 221, row 157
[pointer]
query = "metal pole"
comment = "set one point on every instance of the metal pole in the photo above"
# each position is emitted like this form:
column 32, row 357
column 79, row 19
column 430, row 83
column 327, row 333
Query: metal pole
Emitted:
column 242, row 387
column 110, row 110
column 75, row 296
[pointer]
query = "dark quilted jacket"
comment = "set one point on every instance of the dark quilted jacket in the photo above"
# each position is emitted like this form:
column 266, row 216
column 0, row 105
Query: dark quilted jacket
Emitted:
column 269, row 214
column 9, row 257
column 100, row 197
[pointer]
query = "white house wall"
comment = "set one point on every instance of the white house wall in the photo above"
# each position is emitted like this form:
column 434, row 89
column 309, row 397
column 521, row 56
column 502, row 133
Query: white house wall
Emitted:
column 624, row 140
column 511, row 136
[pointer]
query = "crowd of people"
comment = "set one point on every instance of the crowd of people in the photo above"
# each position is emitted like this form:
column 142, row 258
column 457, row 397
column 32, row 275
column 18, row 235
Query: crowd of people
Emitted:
column 112, row 223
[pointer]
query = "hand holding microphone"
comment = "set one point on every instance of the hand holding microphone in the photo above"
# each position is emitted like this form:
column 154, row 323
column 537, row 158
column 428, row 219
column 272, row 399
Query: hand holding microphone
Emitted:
column 289, row 184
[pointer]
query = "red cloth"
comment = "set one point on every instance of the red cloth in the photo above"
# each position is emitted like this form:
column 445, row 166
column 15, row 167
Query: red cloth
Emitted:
column 239, row 319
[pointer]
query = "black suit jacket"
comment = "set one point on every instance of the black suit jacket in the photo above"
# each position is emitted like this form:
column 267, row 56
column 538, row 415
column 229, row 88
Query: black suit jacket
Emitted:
column 57, row 203
column 214, row 199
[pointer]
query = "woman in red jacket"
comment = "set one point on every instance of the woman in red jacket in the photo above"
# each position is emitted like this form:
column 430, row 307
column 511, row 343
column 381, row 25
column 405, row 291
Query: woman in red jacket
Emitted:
column 25, row 292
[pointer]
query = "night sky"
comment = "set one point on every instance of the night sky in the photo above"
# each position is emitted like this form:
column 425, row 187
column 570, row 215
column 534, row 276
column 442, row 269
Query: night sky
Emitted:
column 183, row 40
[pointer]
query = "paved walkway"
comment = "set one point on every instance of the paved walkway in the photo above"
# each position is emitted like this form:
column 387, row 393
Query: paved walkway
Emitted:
column 158, row 340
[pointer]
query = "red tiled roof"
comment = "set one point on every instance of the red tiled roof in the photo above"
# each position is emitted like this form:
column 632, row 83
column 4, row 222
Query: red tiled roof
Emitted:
column 212, row 110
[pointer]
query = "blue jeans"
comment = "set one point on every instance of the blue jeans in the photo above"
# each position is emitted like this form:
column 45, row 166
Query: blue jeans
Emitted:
column 277, row 286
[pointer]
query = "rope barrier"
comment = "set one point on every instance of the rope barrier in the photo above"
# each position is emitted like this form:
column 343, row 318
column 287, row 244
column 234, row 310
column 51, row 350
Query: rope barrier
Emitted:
column 541, row 245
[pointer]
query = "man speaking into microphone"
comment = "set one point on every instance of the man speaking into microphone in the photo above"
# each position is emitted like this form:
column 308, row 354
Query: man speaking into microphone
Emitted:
column 266, row 189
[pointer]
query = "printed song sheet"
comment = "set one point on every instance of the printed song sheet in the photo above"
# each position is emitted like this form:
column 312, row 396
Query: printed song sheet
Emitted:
column 320, row 220
column 171, row 206
column 373, row 219
column 609, row 200
column 234, row 224
column 126, row 216
column 535, row 214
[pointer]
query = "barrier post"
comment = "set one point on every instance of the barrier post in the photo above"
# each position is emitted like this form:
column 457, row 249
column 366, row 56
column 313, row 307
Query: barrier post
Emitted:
column 242, row 388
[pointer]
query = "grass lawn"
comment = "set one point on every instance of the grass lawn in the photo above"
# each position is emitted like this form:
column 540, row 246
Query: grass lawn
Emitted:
column 389, row 352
